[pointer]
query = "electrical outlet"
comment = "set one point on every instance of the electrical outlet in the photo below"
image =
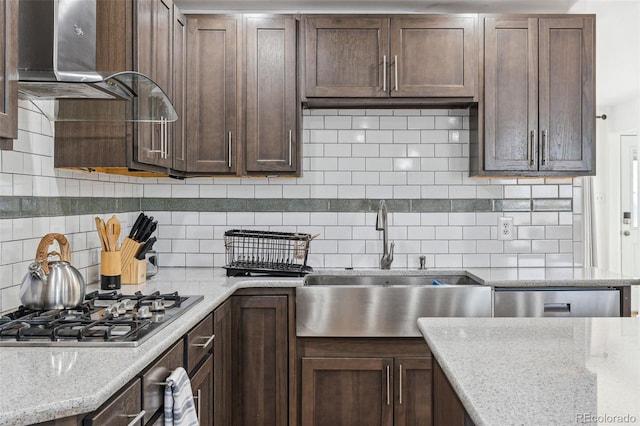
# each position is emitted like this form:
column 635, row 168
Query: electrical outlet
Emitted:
column 505, row 228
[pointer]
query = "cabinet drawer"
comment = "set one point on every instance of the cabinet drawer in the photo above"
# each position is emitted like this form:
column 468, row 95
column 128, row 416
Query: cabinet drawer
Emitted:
column 120, row 411
column 153, row 380
column 199, row 343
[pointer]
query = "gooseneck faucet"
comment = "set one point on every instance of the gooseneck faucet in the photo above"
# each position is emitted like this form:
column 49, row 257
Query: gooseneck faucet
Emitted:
column 382, row 225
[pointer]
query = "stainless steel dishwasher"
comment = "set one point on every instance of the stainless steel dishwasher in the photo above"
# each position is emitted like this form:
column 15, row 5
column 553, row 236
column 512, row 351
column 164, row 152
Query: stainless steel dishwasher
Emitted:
column 556, row 302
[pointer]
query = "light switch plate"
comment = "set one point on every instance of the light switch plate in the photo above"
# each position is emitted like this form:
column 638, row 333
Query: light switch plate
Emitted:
column 505, row 228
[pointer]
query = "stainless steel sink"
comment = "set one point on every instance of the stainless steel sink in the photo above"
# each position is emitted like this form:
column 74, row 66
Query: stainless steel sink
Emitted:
column 376, row 304
column 390, row 280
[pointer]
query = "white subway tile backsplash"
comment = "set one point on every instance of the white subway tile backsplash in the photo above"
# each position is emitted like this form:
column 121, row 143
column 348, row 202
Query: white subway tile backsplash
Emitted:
column 423, row 122
column 365, row 122
column 351, row 136
column 398, row 122
column 434, row 136
column 347, row 154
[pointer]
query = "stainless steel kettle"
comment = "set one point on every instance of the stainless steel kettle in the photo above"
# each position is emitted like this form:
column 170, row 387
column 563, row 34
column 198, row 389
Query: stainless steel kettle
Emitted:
column 52, row 284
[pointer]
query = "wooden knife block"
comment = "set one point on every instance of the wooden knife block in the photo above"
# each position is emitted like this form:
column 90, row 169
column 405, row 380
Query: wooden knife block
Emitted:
column 135, row 272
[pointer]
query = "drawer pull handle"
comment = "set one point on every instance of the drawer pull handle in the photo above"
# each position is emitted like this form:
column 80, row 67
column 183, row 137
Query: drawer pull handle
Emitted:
column 197, row 398
column 205, row 344
column 136, row 418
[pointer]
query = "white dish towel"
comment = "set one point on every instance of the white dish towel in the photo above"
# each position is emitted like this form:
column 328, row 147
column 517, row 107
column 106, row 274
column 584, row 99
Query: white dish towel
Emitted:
column 179, row 408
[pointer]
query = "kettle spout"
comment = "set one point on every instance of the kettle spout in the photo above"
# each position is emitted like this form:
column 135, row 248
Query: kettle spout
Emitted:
column 36, row 270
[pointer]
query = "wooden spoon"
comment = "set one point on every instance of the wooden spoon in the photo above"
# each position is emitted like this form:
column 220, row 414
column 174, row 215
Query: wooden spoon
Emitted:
column 113, row 233
column 102, row 233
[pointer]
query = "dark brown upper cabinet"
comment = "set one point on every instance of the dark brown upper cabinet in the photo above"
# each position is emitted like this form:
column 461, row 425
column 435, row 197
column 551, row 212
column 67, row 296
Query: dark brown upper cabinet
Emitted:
column 8, row 73
column 146, row 36
column 411, row 56
column 272, row 107
column 243, row 112
column 213, row 70
column 158, row 22
column 537, row 113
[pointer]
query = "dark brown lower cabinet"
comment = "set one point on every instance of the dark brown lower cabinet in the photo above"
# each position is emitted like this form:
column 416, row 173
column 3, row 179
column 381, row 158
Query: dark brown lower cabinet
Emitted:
column 368, row 382
column 261, row 369
column 122, row 410
column 347, row 392
column 413, row 391
column 222, row 367
column 202, row 387
column 447, row 408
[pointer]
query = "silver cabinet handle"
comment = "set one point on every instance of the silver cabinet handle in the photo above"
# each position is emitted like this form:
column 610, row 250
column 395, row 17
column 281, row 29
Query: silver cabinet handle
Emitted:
column 384, row 73
column 153, row 140
column 166, row 138
column 395, row 60
column 229, row 149
column 162, row 137
column 197, row 398
column 545, row 148
column 532, row 140
column 400, row 384
column 207, row 343
column 136, row 418
column 388, row 384
column 290, row 145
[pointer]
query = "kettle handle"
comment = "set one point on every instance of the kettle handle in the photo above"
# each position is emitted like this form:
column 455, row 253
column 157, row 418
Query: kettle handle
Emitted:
column 42, row 252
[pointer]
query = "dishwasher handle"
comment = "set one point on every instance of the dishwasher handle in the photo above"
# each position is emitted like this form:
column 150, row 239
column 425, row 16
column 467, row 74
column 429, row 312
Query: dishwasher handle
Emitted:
column 557, row 309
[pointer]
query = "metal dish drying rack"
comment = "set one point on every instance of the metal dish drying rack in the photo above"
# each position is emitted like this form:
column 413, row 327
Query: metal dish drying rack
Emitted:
column 280, row 254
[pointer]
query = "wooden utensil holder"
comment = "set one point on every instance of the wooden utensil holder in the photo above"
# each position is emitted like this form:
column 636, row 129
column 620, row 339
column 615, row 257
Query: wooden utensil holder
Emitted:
column 110, row 270
column 135, row 272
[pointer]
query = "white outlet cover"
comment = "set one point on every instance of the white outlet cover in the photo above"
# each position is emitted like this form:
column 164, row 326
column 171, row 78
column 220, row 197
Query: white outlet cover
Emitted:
column 505, row 228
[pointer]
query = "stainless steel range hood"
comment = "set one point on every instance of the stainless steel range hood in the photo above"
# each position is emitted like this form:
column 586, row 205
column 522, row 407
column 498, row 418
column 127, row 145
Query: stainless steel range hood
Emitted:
column 57, row 69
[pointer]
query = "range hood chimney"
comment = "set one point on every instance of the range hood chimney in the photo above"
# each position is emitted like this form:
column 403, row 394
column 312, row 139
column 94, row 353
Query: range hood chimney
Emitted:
column 57, row 68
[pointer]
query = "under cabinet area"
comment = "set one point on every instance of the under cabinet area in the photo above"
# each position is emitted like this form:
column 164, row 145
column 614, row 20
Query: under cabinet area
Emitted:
column 399, row 56
column 366, row 382
column 537, row 112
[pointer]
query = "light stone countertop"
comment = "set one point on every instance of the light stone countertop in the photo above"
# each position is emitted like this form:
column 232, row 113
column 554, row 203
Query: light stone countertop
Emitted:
column 540, row 371
column 44, row 383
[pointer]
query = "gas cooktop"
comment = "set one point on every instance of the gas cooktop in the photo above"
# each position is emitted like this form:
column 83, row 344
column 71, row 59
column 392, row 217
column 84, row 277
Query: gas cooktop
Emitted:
column 103, row 319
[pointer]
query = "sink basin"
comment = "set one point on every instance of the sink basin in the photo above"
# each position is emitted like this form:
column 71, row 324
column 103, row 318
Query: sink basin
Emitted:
column 385, row 303
column 389, row 280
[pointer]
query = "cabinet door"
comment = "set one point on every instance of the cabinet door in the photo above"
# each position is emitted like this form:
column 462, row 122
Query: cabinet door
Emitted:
column 413, row 391
column 345, row 56
column 261, row 370
column 271, row 100
column 433, row 56
column 154, row 31
column 347, row 392
column 223, row 355
column 212, row 125
column 179, row 138
column 202, row 387
column 155, row 376
column 511, row 93
column 8, row 71
column 567, row 86
column 121, row 410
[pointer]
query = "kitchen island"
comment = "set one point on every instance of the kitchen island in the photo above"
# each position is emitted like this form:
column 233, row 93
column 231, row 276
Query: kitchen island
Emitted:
column 540, row 371
column 48, row 383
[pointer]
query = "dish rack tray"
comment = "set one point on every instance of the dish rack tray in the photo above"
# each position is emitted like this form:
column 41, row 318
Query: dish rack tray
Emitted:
column 264, row 252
